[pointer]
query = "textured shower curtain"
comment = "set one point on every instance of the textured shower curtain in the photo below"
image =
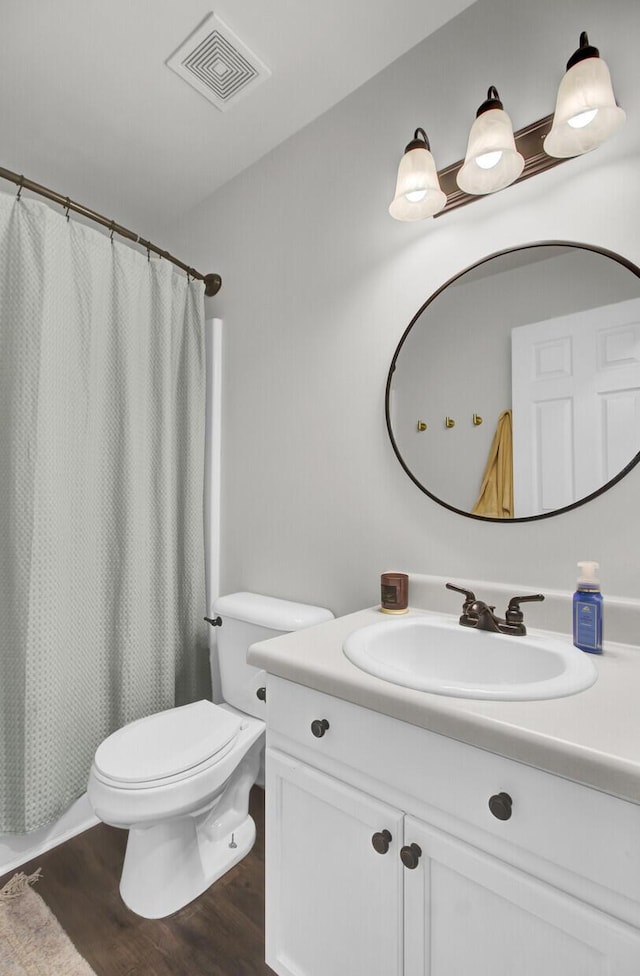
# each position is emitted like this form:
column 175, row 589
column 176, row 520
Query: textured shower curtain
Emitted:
column 101, row 498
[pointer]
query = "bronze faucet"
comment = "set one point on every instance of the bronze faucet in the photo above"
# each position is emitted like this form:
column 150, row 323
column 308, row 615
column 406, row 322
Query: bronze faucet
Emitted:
column 479, row 615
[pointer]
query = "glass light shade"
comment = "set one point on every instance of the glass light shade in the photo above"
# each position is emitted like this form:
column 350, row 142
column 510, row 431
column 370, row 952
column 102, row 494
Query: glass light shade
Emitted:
column 586, row 111
column 492, row 161
column 418, row 194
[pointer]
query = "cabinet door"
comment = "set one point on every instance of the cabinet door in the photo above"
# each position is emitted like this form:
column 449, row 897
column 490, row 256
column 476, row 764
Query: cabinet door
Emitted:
column 468, row 912
column 334, row 904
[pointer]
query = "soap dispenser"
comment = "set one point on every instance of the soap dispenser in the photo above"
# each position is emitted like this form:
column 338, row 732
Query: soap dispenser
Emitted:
column 587, row 610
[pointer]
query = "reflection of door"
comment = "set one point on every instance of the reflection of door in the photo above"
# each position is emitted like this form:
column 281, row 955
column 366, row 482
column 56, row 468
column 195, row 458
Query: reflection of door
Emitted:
column 576, row 404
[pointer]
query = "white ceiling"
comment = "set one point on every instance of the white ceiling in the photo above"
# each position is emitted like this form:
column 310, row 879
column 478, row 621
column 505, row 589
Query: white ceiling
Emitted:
column 89, row 107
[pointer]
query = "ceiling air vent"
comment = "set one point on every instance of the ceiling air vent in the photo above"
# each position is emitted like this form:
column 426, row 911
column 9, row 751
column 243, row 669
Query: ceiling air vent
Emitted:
column 217, row 64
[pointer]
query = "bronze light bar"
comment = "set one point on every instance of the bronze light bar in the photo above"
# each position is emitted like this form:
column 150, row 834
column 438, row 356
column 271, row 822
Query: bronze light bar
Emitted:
column 212, row 282
column 528, row 141
column 586, row 115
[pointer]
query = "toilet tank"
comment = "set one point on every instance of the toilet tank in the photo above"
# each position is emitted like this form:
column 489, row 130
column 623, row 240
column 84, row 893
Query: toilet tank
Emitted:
column 247, row 618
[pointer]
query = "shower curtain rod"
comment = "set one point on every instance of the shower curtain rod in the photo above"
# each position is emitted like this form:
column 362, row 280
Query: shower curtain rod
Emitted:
column 212, row 282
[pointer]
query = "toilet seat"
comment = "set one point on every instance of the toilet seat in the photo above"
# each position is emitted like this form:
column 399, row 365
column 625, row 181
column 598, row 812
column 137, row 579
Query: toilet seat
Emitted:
column 167, row 747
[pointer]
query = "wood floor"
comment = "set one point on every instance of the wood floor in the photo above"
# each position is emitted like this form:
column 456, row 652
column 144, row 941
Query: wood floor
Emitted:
column 220, row 934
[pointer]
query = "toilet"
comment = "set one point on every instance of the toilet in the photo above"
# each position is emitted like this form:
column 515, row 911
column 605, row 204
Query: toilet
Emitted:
column 179, row 780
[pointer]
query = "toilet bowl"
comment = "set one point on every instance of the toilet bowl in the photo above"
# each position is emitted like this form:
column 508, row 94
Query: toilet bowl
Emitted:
column 179, row 780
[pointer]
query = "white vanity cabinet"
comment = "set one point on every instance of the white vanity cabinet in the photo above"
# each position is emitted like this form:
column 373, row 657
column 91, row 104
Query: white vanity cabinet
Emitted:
column 384, row 857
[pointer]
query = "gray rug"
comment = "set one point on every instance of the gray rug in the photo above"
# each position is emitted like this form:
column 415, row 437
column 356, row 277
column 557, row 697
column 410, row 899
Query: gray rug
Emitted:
column 32, row 941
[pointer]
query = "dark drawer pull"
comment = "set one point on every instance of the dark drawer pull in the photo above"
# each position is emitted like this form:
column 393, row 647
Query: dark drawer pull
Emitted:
column 319, row 726
column 500, row 805
column 381, row 840
column 410, row 856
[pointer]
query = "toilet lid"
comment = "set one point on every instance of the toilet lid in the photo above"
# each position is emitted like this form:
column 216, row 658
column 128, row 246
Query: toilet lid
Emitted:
column 166, row 743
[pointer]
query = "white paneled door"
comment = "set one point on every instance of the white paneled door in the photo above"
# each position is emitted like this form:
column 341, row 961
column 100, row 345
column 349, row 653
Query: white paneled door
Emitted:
column 334, row 900
column 470, row 914
column 576, row 404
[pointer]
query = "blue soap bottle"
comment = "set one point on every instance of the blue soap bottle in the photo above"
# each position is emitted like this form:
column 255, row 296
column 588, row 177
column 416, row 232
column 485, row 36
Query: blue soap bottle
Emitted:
column 587, row 610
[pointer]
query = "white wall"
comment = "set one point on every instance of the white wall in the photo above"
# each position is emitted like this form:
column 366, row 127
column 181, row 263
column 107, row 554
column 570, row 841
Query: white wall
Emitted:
column 319, row 284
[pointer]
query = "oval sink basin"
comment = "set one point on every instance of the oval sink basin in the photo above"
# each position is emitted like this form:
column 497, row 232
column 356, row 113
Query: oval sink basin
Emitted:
column 436, row 654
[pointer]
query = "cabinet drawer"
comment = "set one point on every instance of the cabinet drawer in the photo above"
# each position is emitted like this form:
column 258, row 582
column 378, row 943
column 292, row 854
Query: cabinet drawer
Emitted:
column 571, row 827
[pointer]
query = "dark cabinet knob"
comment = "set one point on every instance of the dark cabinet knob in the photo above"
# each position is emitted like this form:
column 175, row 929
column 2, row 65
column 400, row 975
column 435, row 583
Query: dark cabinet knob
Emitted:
column 381, row 840
column 410, row 856
column 319, row 726
column 261, row 693
column 500, row 805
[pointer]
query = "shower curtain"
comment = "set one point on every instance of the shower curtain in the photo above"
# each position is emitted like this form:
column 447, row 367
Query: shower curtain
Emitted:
column 101, row 497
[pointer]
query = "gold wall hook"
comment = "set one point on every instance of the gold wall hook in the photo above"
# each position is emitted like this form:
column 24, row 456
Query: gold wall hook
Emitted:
column 421, row 425
column 448, row 422
column 477, row 420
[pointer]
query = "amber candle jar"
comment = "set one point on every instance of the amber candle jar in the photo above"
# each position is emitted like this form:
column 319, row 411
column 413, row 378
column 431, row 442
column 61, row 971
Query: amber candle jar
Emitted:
column 394, row 592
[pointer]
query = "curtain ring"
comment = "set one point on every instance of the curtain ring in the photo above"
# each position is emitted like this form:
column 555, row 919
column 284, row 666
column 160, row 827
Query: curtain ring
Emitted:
column 20, row 185
column 111, row 228
column 67, row 205
column 148, row 254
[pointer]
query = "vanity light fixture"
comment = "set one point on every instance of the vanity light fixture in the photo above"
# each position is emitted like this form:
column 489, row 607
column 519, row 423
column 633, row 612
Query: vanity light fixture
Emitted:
column 418, row 194
column 586, row 115
column 492, row 161
column 586, row 111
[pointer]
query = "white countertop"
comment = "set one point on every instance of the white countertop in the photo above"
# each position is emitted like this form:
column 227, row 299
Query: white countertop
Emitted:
column 592, row 737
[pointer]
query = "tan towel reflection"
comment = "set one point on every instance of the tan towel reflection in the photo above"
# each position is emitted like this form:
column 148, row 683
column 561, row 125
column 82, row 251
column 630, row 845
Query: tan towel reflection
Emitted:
column 496, row 494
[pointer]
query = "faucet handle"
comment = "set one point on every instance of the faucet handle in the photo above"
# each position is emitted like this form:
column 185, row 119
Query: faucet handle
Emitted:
column 470, row 597
column 514, row 614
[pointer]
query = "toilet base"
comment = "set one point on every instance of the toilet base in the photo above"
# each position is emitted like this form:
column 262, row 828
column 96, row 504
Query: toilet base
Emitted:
column 169, row 869
column 169, row 863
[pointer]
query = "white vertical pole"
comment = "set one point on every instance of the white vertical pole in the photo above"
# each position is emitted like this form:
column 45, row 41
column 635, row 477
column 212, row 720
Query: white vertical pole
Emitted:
column 213, row 450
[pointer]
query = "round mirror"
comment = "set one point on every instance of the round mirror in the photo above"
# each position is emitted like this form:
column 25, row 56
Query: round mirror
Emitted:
column 514, row 393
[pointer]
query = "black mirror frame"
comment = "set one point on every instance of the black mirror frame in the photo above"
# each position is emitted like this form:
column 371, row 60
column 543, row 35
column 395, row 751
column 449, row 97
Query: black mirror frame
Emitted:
column 484, row 518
